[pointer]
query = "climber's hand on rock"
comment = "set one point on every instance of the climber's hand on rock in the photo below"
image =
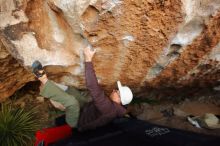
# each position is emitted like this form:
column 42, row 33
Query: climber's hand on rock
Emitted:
column 89, row 53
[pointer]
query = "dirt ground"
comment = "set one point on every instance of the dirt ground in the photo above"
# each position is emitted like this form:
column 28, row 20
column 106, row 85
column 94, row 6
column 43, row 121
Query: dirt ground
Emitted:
column 174, row 115
column 168, row 113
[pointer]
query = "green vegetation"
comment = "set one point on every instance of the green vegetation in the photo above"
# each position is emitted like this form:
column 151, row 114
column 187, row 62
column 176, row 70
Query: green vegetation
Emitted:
column 17, row 125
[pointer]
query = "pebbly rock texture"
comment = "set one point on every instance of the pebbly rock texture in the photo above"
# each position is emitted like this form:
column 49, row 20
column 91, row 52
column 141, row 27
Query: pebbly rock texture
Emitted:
column 147, row 44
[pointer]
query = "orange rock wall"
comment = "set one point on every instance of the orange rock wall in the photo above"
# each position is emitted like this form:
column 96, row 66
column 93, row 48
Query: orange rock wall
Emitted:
column 12, row 75
column 145, row 44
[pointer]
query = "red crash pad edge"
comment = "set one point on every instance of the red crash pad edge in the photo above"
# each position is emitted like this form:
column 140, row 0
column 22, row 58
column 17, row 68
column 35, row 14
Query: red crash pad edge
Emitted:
column 53, row 134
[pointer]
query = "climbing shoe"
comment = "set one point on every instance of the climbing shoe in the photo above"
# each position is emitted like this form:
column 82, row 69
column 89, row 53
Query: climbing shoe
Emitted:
column 37, row 69
column 194, row 121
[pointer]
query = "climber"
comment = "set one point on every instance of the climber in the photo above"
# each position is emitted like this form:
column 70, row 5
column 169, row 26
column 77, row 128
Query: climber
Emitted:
column 79, row 112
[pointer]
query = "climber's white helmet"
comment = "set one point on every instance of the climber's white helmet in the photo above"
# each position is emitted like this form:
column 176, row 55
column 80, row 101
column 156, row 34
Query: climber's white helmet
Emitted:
column 125, row 94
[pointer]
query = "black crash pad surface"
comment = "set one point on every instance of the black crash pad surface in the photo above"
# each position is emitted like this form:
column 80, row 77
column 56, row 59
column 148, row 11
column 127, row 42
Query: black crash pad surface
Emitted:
column 132, row 132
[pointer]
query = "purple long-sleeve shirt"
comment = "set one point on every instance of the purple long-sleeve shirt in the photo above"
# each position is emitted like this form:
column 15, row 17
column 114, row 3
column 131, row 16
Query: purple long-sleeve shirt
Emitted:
column 101, row 110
